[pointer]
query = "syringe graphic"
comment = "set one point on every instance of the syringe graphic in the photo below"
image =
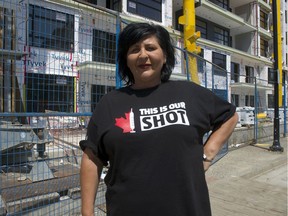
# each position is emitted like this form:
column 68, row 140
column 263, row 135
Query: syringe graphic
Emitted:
column 132, row 123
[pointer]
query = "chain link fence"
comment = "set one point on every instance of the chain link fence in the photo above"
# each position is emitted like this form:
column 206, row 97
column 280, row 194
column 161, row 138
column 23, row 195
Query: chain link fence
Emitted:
column 57, row 59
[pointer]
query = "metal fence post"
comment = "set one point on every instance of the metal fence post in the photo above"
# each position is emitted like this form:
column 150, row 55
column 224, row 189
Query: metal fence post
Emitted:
column 255, row 111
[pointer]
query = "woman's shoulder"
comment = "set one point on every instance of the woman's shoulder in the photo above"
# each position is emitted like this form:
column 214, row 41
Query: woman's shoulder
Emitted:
column 190, row 88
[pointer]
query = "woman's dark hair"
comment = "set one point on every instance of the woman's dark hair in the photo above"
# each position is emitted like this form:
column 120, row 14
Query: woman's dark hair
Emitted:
column 135, row 32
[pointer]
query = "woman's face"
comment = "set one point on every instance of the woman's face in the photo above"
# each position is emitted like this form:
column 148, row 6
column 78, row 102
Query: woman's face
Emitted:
column 145, row 60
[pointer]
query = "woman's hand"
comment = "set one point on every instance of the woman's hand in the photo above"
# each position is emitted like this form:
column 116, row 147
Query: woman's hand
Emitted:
column 206, row 165
column 217, row 139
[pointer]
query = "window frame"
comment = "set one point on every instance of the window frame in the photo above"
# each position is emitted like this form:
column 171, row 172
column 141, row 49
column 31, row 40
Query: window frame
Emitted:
column 221, row 35
column 271, row 76
column 151, row 9
column 202, row 27
column 250, row 100
column 263, row 19
column 235, row 98
column 217, row 60
column 235, row 74
column 264, row 47
column 42, row 34
column 103, row 46
column 270, row 100
column 250, row 76
column 221, row 3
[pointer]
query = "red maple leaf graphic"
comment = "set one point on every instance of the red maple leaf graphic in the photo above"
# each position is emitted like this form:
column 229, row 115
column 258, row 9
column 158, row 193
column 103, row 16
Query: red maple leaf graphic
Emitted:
column 124, row 123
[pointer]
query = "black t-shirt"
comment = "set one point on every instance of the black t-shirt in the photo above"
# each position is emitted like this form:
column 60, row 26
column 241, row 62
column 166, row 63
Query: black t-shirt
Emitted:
column 152, row 139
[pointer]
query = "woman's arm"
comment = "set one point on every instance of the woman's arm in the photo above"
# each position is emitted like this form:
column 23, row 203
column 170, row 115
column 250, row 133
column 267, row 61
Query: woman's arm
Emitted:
column 90, row 172
column 217, row 139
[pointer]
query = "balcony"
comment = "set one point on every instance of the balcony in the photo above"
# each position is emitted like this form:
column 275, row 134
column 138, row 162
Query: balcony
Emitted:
column 212, row 12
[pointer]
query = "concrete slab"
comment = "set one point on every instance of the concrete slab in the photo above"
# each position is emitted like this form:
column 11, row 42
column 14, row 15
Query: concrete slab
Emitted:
column 61, row 208
column 68, row 206
column 74, row 193
column 277, row 176
column 40, row 188
column 40, row 171
column 32, row 202
column 249, row 181
column 239, row 197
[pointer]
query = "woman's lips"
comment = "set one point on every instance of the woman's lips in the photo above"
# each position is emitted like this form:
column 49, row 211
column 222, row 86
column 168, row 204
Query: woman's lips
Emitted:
column 144, row 66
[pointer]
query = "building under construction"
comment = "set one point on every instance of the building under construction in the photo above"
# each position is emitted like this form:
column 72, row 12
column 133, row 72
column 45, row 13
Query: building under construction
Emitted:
column 58, row 58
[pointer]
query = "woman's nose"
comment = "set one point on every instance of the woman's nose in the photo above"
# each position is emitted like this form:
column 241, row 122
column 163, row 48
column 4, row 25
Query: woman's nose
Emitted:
column 143, row 54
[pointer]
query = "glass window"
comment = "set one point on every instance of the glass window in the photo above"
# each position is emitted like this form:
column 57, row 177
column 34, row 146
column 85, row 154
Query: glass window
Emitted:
column 270, row 101
column 2, row 28
column 151, row 9
column 51, row 29
column 271, row 76
column 235, row 99
column 249, row 100
column 235, row 72
column 115, row 5
column 201, row 62
column 263, row 20
column 103, row 46
column 249, row 74
column 264, row 48
column 110, row 4
column 221, row 3
column 202, row 27
column 49, row 92
column 91, row 1
column 221, row 36
column 7, row 29
column 219, row 60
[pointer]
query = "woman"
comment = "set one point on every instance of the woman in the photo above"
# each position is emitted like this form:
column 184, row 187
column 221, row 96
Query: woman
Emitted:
column 151, row 134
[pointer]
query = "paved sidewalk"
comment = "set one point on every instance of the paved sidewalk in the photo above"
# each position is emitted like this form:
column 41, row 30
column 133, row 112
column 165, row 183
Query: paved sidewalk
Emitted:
column 250, row 181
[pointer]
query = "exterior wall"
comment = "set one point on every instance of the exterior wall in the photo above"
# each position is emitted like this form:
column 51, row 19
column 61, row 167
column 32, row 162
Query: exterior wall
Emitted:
column 246, row 136
column 243, row 42
column 244, row 11
column 61, row 63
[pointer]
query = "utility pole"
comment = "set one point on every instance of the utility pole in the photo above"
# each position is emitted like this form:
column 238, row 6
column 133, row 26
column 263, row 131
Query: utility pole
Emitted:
column 276, row 141
column 190, row 35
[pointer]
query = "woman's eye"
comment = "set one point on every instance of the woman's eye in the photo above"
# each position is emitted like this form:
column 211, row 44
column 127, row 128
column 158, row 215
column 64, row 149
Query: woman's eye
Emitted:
column 150, row 48
column 134, row 50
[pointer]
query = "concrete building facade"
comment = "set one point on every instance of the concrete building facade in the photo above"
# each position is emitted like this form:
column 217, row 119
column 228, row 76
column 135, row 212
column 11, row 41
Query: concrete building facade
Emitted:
column 235, row 35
